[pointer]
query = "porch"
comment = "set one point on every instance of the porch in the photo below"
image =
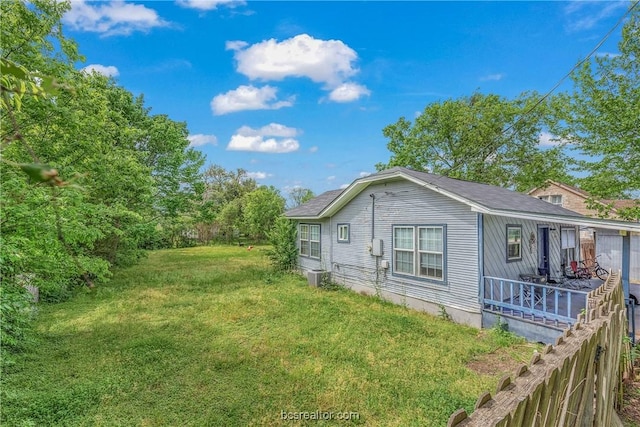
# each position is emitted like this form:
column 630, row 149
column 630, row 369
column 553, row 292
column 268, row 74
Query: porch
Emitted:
column 538, row 312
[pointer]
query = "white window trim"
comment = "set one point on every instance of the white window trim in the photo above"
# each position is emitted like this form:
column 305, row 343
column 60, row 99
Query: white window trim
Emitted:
column 310, row 241
column 411, row 251
column 441, row 253
column 519, row 243
column 564, row 249
column 347, row 238
column 549, row 199
column 416, row 252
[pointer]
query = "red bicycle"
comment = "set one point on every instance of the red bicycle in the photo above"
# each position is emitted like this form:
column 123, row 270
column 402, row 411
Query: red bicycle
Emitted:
column 586, row 272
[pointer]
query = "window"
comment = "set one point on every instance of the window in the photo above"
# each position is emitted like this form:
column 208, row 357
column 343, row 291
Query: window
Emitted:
column 514, row 242
column 403, row 250
column 555, row 199
column 343, row 233
column 568, row 245
column 310, row 240
column 430, row 249
column 419, row 251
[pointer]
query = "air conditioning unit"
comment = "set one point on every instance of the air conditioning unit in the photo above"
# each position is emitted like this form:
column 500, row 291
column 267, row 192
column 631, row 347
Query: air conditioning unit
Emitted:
column 316, row 277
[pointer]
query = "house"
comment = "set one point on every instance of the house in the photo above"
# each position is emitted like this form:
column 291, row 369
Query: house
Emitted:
column 605, row 244
column 578, row 200
column 435, row 243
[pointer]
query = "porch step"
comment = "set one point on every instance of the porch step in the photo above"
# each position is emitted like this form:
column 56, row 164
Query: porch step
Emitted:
column 530, row 317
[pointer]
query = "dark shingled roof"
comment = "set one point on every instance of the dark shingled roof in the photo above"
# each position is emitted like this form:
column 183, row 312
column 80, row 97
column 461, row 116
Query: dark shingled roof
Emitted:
column 489, row 196
column 313, row 207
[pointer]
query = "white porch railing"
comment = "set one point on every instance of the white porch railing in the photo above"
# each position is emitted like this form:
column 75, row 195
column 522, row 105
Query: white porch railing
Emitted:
column 534, row 301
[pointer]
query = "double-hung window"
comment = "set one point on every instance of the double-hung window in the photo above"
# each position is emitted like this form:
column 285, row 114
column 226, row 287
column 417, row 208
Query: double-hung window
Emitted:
column 403, row 250
column 431, row 252
column 514, row 242
column 568, row 245
column 310, row 240
column 419, row 251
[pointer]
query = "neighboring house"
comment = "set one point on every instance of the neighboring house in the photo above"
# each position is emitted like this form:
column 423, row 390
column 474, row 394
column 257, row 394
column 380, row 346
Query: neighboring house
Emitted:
column 434, row 243
column 576, row 199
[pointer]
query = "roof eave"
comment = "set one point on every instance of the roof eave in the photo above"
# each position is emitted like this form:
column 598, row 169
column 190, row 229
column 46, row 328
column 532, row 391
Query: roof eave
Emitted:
column 583, row 221
column 303, row 217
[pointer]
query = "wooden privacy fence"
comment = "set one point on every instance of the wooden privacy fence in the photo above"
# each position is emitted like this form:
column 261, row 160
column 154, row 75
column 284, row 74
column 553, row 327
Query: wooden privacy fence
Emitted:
column 576, row 382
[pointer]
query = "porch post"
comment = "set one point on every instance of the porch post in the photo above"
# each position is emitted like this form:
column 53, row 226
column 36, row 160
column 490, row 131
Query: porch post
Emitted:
column 480, row 221
column 626, row 261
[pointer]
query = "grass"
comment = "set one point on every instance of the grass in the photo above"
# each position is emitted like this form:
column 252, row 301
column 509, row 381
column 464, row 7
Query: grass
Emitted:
column 207, row 336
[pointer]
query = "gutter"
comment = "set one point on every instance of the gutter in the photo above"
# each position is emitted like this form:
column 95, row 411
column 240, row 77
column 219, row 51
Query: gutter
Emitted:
column 575, row 220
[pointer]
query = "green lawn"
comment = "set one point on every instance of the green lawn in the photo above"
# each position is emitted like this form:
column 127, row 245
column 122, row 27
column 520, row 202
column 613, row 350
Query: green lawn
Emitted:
column 207, row 337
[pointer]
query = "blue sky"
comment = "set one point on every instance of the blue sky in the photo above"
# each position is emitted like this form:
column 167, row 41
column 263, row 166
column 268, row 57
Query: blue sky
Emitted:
column 297, row 93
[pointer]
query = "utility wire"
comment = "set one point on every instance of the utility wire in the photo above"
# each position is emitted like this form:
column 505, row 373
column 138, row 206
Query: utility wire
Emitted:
column 600, row 43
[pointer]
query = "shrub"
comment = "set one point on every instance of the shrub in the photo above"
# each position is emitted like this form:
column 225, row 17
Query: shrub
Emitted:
column 15, row 319
column 284, row 252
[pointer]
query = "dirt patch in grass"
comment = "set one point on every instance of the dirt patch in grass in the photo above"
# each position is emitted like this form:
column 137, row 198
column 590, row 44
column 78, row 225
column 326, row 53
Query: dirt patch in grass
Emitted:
column 499, row 362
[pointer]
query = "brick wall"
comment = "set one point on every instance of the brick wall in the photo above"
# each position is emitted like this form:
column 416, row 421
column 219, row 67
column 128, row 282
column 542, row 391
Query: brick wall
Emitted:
column 570, row 200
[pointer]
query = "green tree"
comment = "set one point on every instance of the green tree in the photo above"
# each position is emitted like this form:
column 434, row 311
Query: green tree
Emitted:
column 299, row 195
column 230, row 219
column 483, row 138
column 134, row 171
column 599, row 118
column 223, row 186
column 261, row 209
column 223, row 199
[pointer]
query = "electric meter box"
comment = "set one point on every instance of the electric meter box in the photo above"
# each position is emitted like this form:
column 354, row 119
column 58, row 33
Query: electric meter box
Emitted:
column 376, row 247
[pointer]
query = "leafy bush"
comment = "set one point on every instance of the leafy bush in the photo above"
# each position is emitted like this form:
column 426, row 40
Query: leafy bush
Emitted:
column 284, row 252
column 15, row 319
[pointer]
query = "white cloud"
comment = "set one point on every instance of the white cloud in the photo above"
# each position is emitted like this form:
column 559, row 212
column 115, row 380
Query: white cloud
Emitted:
column 198, row 140
column 348, row 92
column 331, row 178
column 328, row 62
column 343, row 186
column 273, row 138
column 112, row 18
column 364, row 174
column 272, row 129
column 262, row 145
column 248, row 98
column 235, row 45
column 209, row 4
column 105, row 70
column 259, row 175
column 313, row 149
column 324, row 61
column 547, row 139
column 493, row 77
column 586, row 15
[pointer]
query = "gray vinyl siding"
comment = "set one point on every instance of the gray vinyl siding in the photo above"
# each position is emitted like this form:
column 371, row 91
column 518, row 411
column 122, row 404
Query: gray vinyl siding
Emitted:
column 495, row 250
column 609, row 252
column 405, row 203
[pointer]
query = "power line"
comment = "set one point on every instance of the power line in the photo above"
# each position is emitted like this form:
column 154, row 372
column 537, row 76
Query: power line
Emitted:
column 600, row 43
